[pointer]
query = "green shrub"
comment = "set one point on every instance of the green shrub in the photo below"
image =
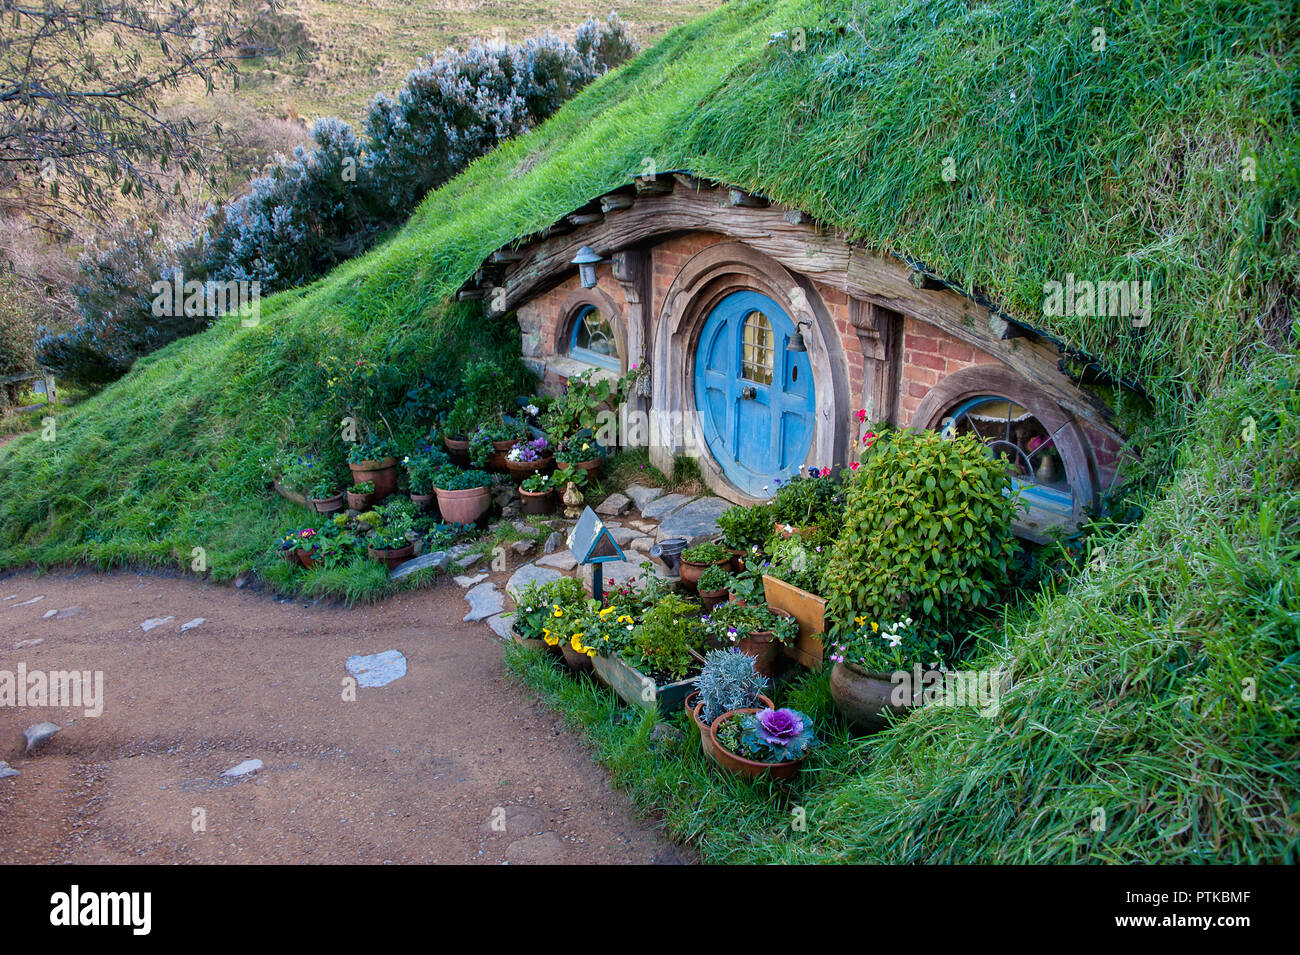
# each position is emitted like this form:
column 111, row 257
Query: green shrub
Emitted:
column 746, row 527
column 927, row 533
column 814, row 499
column 662, row 643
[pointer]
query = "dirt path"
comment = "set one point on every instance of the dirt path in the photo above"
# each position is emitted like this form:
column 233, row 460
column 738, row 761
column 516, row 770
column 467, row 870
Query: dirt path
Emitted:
column 411, row 772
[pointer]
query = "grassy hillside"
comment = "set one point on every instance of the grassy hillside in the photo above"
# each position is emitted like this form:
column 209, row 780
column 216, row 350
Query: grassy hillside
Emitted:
column 1119, row 164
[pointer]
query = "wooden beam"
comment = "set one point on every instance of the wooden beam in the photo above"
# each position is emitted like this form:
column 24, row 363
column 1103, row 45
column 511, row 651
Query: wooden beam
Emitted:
column 615, row 201
column 739, row 197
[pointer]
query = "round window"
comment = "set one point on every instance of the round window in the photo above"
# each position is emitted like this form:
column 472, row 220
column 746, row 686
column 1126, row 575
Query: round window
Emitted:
column 1015, row 435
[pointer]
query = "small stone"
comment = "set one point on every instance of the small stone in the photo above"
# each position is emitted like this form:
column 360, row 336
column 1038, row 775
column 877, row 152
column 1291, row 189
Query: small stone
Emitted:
column 191, row 624
column 665, row 734
column 553, row 541
column 69, row 612
column 642, row 495
column 7, row 771
column 523, row 527
column 469, row 561
column 661, row 507
column 643, row 544
column 614, row 505
column 511, row 510
column 49, row 614
column 464, row 580
column 500, row 624
column 563, row 561
column 645, row 527
column 32, row 601
column 438, row 559
column 530, row 574
column 484, row 601
column 24, row 644
column 377, row 669
column 241, row 582
column 155, row 622
column 38, row 733
column 247, row 767
column 523, row 547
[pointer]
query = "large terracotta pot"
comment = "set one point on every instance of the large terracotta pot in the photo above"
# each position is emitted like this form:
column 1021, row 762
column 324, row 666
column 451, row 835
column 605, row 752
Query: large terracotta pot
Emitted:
column 360, row 502
column 463, row 507
column 422, row 501
column 383, row 473
column 690, row 572
column 522, row 469
column 393, row 557
column 695, row 706
column 763, row 646
column 711, row 598
column 577, row 662
column 535, row 503
column 864, row 697
column 748, row 768
column 327, row 505
column 307, row 557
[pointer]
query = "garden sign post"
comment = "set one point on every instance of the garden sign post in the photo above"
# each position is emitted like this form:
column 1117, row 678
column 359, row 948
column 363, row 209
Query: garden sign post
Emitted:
column 592, row 543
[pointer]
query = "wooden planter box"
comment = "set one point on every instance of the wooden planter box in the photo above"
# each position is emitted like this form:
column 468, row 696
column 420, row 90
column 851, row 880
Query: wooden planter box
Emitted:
column 631, row 685
column 808, row 610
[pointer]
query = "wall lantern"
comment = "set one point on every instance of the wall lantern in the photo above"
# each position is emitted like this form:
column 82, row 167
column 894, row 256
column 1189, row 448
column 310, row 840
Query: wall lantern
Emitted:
column 586, row 260
column 796, row 342
column 592, row 543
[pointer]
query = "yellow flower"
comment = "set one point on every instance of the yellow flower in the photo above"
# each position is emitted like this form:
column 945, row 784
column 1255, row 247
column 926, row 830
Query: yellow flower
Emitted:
column 625, row 619
column 605, row 613
column 551, row 639
column 558, row 612
column 576, row 642
column 875, row 627
column 859, row 620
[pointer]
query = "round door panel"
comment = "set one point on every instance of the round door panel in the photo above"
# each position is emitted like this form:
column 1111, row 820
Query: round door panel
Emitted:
column 754, row 398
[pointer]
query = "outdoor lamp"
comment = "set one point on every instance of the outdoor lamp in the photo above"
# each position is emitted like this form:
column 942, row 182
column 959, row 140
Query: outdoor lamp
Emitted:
column 796, row 342
column 586, row 260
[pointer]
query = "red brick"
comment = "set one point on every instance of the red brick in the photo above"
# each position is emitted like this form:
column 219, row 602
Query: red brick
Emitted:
column 959, row 351
column 921, row 343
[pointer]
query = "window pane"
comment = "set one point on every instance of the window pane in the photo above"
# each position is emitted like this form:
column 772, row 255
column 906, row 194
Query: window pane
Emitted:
column 757, row 353
column 595, row 334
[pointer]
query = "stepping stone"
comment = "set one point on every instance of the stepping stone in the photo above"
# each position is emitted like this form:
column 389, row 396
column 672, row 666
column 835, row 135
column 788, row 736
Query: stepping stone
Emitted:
column 623, row 535
column 523, row 527
column 563, row 561
column 523, row 547
column 500, row 625
column 661, row 507
column 467, row 562
column 464, row 580
column 38, row 733
column 23, row 644
column 645, row 527
column 696, row 521
column 49, row 614
column 643, row 544
column 642, row 495
column 553, row 542
column 7, row 771
column 614, row 505
column 438, row 559
column 191, row 624
column 377, row 669
column 529, row 574
column 246, row 768
column 456, row 551
column 484, row 601
column 32, row 601
column 153, row 622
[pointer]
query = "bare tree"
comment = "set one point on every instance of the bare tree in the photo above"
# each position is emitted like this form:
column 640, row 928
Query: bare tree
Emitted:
column 80, row 82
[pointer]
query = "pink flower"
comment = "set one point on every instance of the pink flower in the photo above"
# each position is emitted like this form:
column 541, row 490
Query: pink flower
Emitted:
column 853, row 466
column 825, row 472
column 862, row 414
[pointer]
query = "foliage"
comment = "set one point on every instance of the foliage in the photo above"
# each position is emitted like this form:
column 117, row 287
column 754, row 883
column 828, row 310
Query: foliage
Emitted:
column 421, row 467
column 746, row 527
column 814, row 499
column 372, row 450
column 576, row 411
column 662, row 644
column 452, row 478
column 895, row 645
column 577, row 451
column 733, row 622
column 707, row 552
column 362, row 488
column 715, row 577
column 537, row 483
column 927, row 533
column 728, row 681
column 538, row 601
column 798, row 563
column 768, row 736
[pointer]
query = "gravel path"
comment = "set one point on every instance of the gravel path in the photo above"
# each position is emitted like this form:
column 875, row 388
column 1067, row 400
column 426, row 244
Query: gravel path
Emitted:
column 424, row 769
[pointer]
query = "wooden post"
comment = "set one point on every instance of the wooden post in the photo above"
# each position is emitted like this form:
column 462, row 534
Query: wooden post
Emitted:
column 880, row 335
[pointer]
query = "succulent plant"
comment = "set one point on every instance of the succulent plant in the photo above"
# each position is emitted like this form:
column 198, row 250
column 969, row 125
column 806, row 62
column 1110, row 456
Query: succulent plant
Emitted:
column 728, row 682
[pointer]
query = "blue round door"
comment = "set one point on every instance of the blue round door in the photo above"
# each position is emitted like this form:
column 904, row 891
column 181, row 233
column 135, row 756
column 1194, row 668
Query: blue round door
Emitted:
column 754, row 398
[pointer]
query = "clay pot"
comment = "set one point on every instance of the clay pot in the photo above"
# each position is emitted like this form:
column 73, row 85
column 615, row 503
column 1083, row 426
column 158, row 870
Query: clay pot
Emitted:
column 865, row 697
column 458, row 450
column 463, row 507
column 690, row 572
column 711, row 598
column 360, row 502
column 695, row 706
column 748, row 768
column 533, row 503
column 307, row 557
column 522, row 469
column 787, row 531
column 577, row 662
column 498, row 462
column 422, row 501
column 383, row 473
column 290, row 554
column 590, row 465
column 327, row 505
column 762, row 645
column 394, row 557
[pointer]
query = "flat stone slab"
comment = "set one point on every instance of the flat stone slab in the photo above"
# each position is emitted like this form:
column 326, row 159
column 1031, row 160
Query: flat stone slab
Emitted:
column 246, row 768
column 38, row 733
column 7, row 771
column 523, row 547
column 697, row 520
column 155, row 622
column 531, row 574
column 191, row 624
column 643, row 544
column 68, row 612
column 438, row 559
column 661, row 507
column 464, row 580
column 642, row 495
column 484, row 601
column 377, row 669
column 26, row 603
column 614, row 505
column 562, row 560
column 623, row 535
column 48, row 614
column 500, row 624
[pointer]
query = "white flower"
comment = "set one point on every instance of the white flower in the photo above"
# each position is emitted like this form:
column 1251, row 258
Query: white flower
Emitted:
column 532, row 409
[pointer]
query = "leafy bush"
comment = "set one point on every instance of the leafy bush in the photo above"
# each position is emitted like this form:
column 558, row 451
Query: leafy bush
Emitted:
column 927, row 533
column 815, row 499
column 746, row 527
column 799, row 563
column 662, row 643
column 706, row 553
column 17, row 331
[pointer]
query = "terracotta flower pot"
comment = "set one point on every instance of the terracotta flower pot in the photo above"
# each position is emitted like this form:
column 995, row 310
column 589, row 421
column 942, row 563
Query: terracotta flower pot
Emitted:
column 577, row 662
column 360, row 502
column 458, row 449
column 690, row 572
column 463, row 507
column 422, row 501
column 290, row 554
column 536, row 502
column 695, row 706
column 307, row 557
column 711, row 598
column 498, row 461
column 865, row 697
column 383, row 474
column 392, row 557
column 522, row 469
column 748, row 768
column 764, row 649
column 327, row 505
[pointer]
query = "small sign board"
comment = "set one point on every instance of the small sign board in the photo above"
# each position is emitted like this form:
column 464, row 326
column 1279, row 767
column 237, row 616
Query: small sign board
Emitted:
column 591, row 542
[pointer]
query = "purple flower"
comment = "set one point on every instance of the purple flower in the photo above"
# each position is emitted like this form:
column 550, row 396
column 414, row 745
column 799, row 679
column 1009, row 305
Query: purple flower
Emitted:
column 779, row 727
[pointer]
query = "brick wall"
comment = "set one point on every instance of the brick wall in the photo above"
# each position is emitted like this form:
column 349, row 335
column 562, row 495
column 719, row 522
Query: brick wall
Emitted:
column 929, row 354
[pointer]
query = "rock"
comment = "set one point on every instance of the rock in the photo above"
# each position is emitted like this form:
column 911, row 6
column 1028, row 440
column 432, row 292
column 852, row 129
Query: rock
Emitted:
column 241, row 582
column 665, row 734
column 438, row 559
column 530, row 574
column 544, row 849
column 511, row 510
column 38, row 733
column 377, row 669
column 246, row 768
column 643, row 544
column 464, row 580
column 49, row 614
column 553, row 541
column 24, row 644
column 500, row 625
column 616, row 572
column 191, row 624
column 484, row 601
column 7, row 771
column 696, row 521
column 642, row 495
column 614, row 505
column 623, row 535
column 515, row 821
column 68, row 613
column 523, row 527
column 457, row 551
column 645, row 527
column 563, row 561
column 661, row 507
column 32, row 601
column 153, row 622
column 523, row 547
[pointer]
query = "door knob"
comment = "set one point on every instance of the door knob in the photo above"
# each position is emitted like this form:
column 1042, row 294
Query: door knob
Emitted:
column 749, row 392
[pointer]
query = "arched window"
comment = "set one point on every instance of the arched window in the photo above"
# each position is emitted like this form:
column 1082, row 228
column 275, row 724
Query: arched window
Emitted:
column 756, row 349
column 592, row 339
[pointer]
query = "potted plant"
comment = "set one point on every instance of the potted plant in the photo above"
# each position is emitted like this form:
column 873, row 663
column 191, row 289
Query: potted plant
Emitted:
column 695, row 559
column 861, row 681
column 462, row 495
column 529, row 457
column 809, row 505
column 307, row 547
column 750, row 742
column 714, row 586
column 535, row 494
column 420, row 470
column 390, row 547
column 651, row 663
column 490, row 443
column 727, row 681
column 361, row 496
column 745, row 530
column 374, row 461
column 581, row 452
column 288, row 547
column 533, row 623
column 324, row 495
column 754, row 629
column 793, row 581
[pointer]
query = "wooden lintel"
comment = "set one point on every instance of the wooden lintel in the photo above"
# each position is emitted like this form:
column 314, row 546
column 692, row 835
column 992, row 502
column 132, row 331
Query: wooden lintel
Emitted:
column 654, row 185
column 689, row 181
column 1005, row 329
column 923, row 280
